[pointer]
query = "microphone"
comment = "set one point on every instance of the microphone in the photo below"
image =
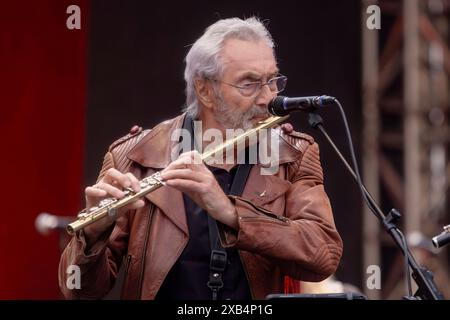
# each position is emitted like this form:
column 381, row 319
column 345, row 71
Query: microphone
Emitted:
column 281, row 106
column 443, row 238
column 46, row 222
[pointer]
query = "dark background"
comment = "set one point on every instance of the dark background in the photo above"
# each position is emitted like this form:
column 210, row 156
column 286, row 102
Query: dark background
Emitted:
column 136, row 64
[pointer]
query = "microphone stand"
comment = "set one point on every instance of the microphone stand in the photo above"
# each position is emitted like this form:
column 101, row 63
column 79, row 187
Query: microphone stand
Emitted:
column 427, row 289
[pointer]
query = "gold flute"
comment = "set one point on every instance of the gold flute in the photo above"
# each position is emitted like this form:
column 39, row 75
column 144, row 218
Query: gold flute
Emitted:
column 108, row 207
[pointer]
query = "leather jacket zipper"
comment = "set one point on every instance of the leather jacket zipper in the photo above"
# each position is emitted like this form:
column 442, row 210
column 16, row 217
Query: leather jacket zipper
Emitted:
column 274, row 219
column 147, row 235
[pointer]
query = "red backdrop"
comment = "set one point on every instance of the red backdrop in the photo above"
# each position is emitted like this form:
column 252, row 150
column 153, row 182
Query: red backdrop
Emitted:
column 42, row 103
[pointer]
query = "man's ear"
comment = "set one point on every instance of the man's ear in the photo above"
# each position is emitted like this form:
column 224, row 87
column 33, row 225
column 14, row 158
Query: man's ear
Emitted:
column 205, row 92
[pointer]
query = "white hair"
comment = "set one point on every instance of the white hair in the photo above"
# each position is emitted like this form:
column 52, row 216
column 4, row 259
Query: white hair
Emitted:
column 203, row 60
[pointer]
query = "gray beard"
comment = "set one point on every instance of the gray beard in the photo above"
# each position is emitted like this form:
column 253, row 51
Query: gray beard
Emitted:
column 233, row 119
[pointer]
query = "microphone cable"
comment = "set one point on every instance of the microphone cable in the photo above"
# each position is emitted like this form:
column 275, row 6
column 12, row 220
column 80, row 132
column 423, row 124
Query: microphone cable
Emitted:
column 369, row 203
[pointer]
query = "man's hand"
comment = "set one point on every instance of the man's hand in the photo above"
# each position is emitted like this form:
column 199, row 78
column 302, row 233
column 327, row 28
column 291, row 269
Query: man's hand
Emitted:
column 189, row 174
column 287, row 127
column 111, row 185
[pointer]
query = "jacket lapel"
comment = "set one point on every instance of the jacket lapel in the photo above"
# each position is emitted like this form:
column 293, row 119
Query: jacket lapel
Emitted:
column 171, row 203
column 154, row 151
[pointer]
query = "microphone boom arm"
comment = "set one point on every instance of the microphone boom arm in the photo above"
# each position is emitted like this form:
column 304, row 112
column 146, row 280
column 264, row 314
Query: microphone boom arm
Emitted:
column 424, row 279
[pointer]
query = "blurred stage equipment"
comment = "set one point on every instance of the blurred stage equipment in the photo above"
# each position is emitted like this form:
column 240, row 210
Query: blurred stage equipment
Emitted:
column 406, row 140
column 427, row 289
column 46, row 223
column 443, row 238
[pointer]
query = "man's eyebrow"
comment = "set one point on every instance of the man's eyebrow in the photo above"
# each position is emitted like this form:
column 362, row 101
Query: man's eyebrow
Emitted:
column 249, row 74
column 276, row 73
column 256, row 76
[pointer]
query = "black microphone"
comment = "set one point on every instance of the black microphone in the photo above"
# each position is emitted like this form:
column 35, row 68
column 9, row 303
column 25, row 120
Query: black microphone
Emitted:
column 443, row 238
column 281, row 106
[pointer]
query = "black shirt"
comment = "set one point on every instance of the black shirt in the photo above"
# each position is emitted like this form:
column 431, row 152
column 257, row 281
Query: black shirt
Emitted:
column 189, row 276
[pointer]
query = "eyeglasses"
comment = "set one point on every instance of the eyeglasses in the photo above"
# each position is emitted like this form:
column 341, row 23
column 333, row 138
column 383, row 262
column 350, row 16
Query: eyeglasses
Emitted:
column 248, row 89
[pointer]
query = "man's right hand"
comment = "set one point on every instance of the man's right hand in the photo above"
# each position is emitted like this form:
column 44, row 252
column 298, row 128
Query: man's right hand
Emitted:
column 111, row 185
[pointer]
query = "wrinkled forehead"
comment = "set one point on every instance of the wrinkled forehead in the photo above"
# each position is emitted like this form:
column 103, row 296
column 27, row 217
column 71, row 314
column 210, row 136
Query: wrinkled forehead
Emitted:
column 239, row 56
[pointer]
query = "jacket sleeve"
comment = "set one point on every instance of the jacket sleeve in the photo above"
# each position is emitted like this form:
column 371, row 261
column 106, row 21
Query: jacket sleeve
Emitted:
column 98, row 265
column 304, row 241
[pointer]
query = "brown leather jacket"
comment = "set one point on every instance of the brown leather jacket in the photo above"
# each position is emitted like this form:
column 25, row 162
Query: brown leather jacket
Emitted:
column 286, row 224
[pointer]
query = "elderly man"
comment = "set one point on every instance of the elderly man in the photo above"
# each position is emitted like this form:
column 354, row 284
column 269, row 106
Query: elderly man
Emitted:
column 278, row 225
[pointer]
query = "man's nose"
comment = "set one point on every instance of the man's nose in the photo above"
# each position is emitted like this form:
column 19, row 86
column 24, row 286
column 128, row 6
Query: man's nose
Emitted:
column 265, row 96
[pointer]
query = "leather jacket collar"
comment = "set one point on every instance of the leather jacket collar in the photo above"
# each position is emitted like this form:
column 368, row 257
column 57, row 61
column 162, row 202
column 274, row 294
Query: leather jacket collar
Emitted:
column 157, row 149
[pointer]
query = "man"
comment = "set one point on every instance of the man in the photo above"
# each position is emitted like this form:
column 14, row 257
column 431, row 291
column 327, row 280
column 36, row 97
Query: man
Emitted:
column 281, row 225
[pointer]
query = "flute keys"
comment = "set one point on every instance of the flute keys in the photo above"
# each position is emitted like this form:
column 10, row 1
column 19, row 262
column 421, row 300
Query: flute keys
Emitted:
column 157, row 177
column 143, row 184
column 104, row 202
column 128, row 191
column 151, row 181
column 82, row 214
column 112, row 212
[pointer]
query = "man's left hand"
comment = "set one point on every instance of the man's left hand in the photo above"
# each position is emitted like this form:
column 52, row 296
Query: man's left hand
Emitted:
column 189, row 174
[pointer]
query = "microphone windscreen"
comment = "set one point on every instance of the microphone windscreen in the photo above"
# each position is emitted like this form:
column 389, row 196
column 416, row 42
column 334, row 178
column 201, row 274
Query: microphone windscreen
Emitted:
column 45, row 222
column 276, row 106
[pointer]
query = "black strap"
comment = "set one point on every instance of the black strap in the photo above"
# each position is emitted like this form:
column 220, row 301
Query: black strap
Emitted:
column 218, row 260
